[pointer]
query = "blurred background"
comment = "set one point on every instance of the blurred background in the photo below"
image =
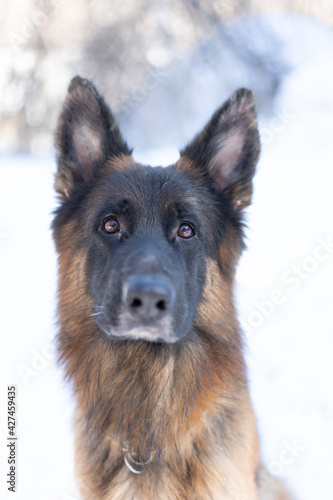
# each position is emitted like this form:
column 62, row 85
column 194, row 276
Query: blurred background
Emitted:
column 176, row 58
column 164, row 67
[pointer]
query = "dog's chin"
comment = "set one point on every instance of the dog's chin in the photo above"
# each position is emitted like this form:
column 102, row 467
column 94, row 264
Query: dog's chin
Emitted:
column 162, row 333
column 149, row 334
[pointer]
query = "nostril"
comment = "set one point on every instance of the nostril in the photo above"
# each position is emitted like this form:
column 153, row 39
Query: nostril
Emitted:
column 136, row 303
column 148, row 296
column 161, row 305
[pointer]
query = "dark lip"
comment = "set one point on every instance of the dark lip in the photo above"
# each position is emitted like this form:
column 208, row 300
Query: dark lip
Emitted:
column 127, row 323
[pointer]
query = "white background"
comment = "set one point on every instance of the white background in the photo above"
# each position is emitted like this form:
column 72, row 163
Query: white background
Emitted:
column 289, row 350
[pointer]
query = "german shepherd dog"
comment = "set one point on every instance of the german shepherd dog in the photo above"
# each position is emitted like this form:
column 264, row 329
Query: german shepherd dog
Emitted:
column 149, row 335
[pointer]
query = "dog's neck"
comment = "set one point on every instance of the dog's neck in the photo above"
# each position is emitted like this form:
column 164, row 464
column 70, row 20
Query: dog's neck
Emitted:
column 155, row 400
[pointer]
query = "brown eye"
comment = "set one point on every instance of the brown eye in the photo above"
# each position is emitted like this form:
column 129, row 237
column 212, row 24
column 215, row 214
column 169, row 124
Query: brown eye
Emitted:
column 111, row 225
column 185, row 231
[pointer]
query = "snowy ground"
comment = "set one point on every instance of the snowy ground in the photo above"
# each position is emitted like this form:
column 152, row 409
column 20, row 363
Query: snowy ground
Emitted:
column 284, row 295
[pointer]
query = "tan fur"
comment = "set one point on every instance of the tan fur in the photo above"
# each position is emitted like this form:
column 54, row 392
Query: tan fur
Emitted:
column 120, row 163
column 183, row 407
column 231, row 460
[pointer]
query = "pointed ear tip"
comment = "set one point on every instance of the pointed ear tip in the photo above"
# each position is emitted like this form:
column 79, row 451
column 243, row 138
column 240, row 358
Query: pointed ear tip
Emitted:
column 244, row 93
column 75, row 82
column 78, row 81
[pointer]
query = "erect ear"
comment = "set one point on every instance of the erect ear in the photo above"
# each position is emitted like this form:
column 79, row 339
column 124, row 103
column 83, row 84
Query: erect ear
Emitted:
column 227, row 150
column 86, row 135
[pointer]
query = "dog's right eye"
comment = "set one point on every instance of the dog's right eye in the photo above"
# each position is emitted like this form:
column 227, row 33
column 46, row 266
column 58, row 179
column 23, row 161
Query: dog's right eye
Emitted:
column 111, row 225
column 186, row 231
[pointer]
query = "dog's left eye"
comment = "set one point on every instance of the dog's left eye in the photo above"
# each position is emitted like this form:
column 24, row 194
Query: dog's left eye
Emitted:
column 111, row 225
column 185, row 231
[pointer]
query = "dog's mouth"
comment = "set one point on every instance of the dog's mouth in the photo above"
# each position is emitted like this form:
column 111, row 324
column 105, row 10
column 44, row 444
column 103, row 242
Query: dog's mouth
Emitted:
column 149, row 334
column 159, row 334
column 146, row 309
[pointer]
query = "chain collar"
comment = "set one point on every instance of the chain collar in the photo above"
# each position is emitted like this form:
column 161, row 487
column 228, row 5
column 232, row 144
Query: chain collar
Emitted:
column 134, row 462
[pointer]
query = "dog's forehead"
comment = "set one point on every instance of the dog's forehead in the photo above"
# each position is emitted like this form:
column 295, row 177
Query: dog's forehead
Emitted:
column 149, row 186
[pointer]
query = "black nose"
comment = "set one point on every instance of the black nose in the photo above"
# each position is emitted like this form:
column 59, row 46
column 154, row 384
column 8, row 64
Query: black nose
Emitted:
column 148, row 296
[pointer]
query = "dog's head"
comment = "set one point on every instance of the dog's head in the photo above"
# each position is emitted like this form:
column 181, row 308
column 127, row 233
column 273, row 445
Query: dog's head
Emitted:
column 146, row 252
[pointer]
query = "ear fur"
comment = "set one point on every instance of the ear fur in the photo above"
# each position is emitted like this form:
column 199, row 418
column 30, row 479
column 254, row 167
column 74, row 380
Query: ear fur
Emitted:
column 228, row 148
column 86, row 135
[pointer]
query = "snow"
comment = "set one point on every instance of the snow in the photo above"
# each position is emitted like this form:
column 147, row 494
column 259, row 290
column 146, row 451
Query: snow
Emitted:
column 287, row 318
